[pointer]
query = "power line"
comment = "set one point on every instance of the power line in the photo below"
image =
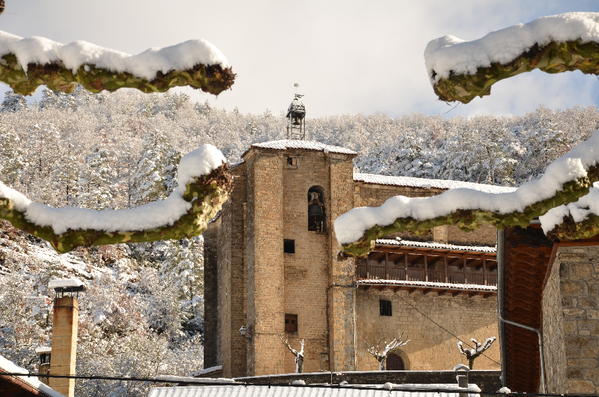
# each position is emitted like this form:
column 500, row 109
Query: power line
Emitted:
column 445, row 329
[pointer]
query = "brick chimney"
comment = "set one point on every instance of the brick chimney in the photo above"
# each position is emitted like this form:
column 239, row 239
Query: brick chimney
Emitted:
column 64, row 334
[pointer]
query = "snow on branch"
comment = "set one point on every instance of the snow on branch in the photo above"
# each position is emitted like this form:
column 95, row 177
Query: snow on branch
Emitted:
column 565, row 181
column 299, row 356
column 389, row 348
column 461, row 70
column 25, row 64
column 472, row 354
column 204, row 186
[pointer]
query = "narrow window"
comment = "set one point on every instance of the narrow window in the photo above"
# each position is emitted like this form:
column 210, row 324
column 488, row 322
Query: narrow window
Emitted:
column 289, row 246
column 385, row 308
column 292, row 161
column 316, row 210
column 290, row 322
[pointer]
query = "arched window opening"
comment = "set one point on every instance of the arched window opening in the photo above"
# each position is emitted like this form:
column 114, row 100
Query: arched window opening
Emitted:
column 316, row 210
column 395, row 363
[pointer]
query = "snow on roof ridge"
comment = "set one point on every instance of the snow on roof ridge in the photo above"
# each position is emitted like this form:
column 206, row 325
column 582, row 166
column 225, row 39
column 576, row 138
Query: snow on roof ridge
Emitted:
column 181, row 56
column 429, row 183
column 206, row 370
column 450, row 54
column 469, row 287
column 65, row 283
column 425, row 244
column 285, row 144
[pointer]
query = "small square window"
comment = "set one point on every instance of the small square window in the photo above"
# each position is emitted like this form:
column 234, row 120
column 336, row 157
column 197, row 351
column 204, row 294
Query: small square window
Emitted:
column 385, row 308
column 292, row 161
column 290, row 322
column 289, row 246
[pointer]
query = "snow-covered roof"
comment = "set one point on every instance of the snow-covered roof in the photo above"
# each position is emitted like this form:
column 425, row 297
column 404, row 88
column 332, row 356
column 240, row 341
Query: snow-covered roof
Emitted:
column 66, row 283
column 206, row 370
column 429, row 284
column 448, row 390
column 156, row 214
column 189, row 379
column 428, row 183
column 7, row 366
column 43, row 349
column 438, row 246
column 146, row 64
column 297, row 144
column 451, row 54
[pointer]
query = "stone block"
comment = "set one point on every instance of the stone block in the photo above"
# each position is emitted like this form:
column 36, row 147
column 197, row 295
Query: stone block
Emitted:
column 581, row 271
column 581, row 386
column 572, row 288
column 574, row 373
column 575, row 313
column 582, row 362
column 572, row 257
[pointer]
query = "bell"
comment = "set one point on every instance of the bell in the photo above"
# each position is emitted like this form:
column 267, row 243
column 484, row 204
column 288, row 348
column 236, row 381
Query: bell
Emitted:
column 296, row 121
column 315, row 213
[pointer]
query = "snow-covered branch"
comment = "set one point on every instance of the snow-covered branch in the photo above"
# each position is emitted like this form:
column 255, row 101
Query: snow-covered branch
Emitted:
column 389, row 347
column 462, row 70
column 472, row 354
column 204, row 186
column 299, row 356
column 25, row 64
column 565, row 181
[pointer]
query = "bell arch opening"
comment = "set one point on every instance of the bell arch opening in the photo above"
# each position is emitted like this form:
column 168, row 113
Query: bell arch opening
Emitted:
column 316, row 209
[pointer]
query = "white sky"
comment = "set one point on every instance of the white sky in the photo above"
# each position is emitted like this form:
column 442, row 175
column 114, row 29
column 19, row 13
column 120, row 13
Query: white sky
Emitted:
column 348, row 56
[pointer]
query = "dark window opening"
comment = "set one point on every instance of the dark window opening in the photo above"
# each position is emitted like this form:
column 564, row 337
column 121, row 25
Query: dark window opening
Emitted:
column 292, row 161
column 290, row 322
column 316, row 210
column 385, row 308
column 289, row 246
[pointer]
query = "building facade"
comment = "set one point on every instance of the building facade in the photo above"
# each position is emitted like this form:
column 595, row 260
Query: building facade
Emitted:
column 272, row 267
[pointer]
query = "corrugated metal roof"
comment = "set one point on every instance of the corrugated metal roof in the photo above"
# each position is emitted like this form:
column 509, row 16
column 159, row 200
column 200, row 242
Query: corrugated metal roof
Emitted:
column 429, row 183
column 296, row 144
column 439, row 246
column 303, row 391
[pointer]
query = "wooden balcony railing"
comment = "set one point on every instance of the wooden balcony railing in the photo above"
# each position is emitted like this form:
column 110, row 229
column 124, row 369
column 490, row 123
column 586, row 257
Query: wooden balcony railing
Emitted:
column 374, row 272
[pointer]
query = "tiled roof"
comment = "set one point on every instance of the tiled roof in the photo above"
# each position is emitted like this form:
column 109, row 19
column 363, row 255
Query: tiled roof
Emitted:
column 310, row 391
column 297, row 144
column 429, row 183
column 433, row 245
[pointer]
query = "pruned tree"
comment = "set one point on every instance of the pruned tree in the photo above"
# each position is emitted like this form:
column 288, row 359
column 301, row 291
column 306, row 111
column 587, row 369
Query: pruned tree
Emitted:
column 299, row 356
column 472, row 354
column 389, row 347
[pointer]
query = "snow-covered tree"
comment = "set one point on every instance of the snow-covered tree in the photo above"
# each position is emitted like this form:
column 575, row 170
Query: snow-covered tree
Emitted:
column 472, row 354
column 381, row 356
column 299, row 355
column 13, row 102
column 95, row 180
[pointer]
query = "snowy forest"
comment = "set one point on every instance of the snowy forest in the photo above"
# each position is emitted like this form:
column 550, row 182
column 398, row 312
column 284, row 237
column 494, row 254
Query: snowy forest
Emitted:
column 142, row 312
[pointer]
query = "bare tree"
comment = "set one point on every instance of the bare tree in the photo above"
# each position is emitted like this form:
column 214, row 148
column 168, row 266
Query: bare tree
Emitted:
column 471, row 354
column 299, row 356
column 389, row 347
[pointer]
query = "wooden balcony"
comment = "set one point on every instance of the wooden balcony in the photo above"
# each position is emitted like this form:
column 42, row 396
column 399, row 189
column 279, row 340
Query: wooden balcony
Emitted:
column 423, row 264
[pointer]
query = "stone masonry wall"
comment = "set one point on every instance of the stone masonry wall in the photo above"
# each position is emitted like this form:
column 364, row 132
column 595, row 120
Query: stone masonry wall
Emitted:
column 553, row 333
column 430, row 347
column 212, row 337
column 306, row 269
column 264, row 259
column 579, row 286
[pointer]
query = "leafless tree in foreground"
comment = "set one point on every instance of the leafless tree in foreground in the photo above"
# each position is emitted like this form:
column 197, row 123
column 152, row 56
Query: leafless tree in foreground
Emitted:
column 389, row 347
column 471, row 354
column 299, row 356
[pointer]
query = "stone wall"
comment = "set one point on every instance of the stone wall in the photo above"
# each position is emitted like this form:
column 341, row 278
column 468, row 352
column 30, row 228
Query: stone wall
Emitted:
column 578, row 270
column 488, row 381
column 430, row 346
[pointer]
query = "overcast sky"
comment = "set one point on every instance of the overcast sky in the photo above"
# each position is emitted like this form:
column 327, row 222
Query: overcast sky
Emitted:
column 348, row 56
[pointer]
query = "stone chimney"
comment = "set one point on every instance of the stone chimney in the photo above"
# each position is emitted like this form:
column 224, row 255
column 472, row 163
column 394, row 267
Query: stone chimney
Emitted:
column 64, row 334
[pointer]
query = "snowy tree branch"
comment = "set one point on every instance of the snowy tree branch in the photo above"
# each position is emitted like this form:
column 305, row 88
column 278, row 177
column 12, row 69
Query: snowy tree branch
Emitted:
column 212, row 79
column 206, row 194
column 472, row 354
column 299, row 356
column 389, row 348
